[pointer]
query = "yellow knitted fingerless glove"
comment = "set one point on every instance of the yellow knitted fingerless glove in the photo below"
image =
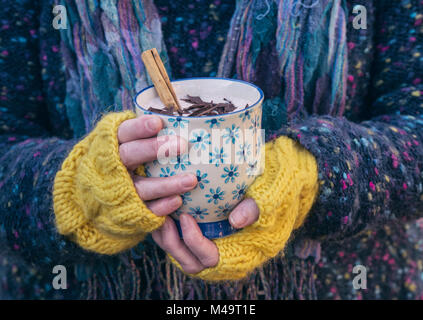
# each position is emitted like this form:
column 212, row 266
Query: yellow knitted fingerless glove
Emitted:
column 284, row 194
column 95, row 201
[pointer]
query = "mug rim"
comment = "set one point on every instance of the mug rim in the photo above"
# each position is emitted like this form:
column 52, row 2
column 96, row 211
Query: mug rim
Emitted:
column 204, row 117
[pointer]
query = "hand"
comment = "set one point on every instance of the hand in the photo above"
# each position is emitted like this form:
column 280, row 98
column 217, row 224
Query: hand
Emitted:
column 139, row 144
column 195, row 252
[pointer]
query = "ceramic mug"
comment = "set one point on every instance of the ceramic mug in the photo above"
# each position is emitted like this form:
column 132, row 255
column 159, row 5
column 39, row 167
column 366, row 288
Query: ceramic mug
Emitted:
column 225, row 152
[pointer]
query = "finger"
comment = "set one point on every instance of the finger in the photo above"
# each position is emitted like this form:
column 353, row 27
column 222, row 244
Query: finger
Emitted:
column 244, row 214
column 137, row 152
column 167, row 238
column 140, row 128
column 155, row 188
column 164, row 206
column 204, row 249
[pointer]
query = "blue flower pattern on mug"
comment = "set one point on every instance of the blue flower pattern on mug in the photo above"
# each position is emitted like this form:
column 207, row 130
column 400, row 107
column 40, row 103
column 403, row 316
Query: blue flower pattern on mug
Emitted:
column 255, row 122
column 167, row 132
column 223, row 211
column 214, row 122
column 166, row 172
column 186, row 198
column 178, row 122
column 181, row 161
column 231, row 134
column 230, row 173
column 201, row 178
column 252, row 168
column 218, row 156
column 215, row 195
column 243, row 152
column 201, row 140
column 245, row 116
column 198, row 212
column 258, row 144
column 178, row 212
column 240, row 191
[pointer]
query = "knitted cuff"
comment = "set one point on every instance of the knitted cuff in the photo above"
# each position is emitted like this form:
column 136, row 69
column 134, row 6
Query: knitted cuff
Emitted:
column 284, row 194
column 95, row 200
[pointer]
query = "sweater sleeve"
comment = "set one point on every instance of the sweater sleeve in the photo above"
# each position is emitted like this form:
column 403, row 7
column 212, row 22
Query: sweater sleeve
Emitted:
column 30, row 155
column 27, row 171
column 372, row 171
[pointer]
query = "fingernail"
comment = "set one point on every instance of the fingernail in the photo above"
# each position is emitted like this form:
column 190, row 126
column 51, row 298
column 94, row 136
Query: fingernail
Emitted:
column 153, row 124
column 176, row 202
column 188, row 180
column 185, row 223
column 237, row 218
column 182, row 219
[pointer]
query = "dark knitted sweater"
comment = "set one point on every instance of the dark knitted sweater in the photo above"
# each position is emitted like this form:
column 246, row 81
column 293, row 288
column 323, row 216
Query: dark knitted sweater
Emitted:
column 370, row 165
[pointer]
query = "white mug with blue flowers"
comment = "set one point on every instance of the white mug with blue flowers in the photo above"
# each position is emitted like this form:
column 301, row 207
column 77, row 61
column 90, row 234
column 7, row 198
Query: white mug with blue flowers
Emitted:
column 225, row 151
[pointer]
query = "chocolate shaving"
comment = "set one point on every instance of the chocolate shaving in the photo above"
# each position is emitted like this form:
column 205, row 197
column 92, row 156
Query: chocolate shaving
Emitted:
column 199, row 108
column 193, row 100
column 161, row 111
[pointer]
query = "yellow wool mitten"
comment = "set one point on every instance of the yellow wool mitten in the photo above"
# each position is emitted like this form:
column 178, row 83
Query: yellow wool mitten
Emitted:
column 284, row 194
column 95, row 200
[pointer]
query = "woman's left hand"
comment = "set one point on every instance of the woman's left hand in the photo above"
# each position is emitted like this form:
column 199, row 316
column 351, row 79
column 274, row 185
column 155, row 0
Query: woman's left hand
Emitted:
column 195, row 252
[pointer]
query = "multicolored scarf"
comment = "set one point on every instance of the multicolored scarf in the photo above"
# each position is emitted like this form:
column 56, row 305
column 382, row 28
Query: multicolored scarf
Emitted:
column 304, row 42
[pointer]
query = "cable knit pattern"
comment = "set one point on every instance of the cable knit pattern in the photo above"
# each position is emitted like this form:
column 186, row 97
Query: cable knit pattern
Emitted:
column 284, row 194
column 95, row 201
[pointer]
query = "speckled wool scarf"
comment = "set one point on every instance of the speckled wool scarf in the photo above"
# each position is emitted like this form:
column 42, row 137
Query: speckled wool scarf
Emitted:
column 296, row 48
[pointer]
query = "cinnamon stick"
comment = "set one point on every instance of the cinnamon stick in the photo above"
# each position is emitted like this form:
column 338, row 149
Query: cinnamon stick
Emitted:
column 160, row 78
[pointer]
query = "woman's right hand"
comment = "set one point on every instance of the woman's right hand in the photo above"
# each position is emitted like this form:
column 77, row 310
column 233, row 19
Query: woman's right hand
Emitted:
column 140, row 144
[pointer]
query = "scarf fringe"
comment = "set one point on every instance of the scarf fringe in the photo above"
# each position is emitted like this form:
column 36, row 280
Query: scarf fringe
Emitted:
column 152, row 276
